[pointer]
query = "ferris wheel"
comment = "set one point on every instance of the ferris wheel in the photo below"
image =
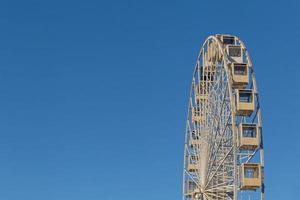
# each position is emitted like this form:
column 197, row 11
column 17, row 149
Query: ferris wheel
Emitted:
column 223, row 153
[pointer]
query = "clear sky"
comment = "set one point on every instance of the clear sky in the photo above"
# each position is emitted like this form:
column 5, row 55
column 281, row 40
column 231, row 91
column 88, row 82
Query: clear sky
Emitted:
column 93, row 94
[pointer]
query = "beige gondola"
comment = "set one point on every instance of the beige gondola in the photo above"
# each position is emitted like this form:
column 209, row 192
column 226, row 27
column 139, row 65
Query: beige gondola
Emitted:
column 244, row 102
column 250, row 176
column 240, row 75
column 248, row 136
column 234, row 53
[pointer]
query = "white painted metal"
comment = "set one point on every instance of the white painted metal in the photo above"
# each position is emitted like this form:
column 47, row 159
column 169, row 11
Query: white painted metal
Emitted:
column 212, row 156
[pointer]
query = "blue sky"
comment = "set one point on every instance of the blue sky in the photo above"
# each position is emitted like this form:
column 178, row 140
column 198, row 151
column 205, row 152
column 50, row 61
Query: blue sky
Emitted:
column 93, row 94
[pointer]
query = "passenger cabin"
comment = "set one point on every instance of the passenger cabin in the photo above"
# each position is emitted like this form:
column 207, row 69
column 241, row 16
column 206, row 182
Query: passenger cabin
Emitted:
column 196, row 115
column 201, row 98
column 210, row 52
column 213, row 53
column 244, row 102
column 248, row 137
column 207, row 75
column 194, row 138
column 193, row 164
column 200, row 88
column 192, row 168
column 227, row 39
column 192, row 189
column 250, row 176
column 240, row 75
column 234, row 53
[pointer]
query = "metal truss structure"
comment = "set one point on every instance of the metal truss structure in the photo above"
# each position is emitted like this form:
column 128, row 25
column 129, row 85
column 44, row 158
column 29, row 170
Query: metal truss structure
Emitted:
column 223, row 153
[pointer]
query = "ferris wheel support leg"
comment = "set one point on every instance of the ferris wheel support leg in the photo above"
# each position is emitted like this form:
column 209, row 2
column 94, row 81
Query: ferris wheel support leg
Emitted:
column 235, row 173
column 262, row 196
column 262, row 162
column 235, row 182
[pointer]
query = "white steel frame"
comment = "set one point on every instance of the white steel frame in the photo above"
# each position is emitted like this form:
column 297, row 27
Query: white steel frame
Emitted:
column 212, row 158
